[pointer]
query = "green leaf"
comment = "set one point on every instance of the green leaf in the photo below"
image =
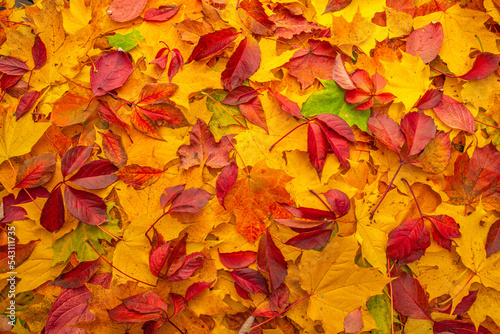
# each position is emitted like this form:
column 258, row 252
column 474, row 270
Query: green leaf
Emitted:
column 126, row 42
column 330, row 100
column 76, row 241
column 380, row 308
column 223, row 115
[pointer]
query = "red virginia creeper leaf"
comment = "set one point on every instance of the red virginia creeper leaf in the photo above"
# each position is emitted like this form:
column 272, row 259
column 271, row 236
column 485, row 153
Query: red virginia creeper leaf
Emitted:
column 161, row 14
column 426, row 42
column 430, row 99
column 97, row 174
column 39, row 53
column 493, row 240
column 236, row 260
column 192, row 263
column 288, row 105
column 409, row 237
column 444, row 227
column 271, row 260
column 23, row 252
column 74, row 158
column 484, row 64
column 52, row 217
column 338, row 125
column 241, row 292
column 458, row 327
column 250, row 280
column 455, row 114
column 317, row 146
column 338, row 144
column 240, row 95
column 36, row 171
column 85, row 206
column 196, row 288
column 169, row 194
column 419, row 130
column 8, row 81
column 311, row 240
column 340, row 75
column 338, row 201
column 225, row 181
column 254, row 113
column 211, row 44
column 111, row 70
column 123, row 315
column 191, row 200
column 147, row 302
column 78, row 276
column 113, row 148
column 139, row 176
column 409, row 297
column 244, row 62
column 125, row 10
column 13, row 66
column 110, row 115
column 179, row 303
column 69, row 308
column 26, row 102
column 176, row 64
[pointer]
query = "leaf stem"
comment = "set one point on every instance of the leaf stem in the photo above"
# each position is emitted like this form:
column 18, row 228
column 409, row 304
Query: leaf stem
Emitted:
column 105, row 260
column 234, row 147
column 277, row 315
column 14, row 22
column 222, row 107
column 493, row 126
column 292, row 130
column 439, row 71
column 105, row 230
column 175, row 326
column 480, row 44
column 387, row 190
column 25, row 189
column 414, row 198
column 459, row 291
column 315, row 194
column 392, row 297
column 156, row 221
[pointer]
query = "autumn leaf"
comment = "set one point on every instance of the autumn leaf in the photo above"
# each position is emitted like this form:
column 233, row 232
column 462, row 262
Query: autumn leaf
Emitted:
column 262, row 189
column 475, row 179
column 203, row 149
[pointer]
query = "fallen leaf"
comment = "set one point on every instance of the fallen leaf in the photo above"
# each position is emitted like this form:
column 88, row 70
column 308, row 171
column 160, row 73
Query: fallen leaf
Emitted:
column 125, row 10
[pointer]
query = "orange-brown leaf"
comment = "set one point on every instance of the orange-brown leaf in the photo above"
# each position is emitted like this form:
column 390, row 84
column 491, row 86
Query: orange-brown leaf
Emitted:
column 139, row 176
column 255, row 196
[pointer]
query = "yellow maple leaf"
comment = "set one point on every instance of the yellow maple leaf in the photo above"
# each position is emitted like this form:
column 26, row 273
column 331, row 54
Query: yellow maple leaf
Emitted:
column 18, row 137
column 408, row 79
column 460, row 27
column 336, row 286
column 76, row 17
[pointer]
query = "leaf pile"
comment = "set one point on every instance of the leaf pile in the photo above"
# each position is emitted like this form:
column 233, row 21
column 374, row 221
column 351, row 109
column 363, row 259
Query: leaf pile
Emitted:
column 250, row 166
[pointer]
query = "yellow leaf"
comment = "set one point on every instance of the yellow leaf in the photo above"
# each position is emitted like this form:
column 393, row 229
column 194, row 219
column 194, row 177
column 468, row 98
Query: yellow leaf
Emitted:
column 18, row 137
column 408, row 80
column 337, row 286
column 270, row 60
column 76, row 17
column 487, row 304
column 360, row 31
column 460, row 25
